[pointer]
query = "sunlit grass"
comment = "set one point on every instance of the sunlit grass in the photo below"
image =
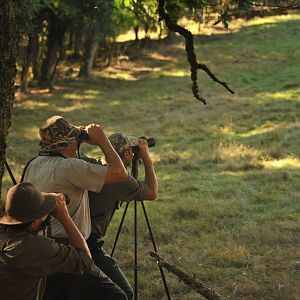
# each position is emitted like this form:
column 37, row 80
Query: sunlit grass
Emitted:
column 80, row 97
column 290, row 94
column 273, row 19
column 234, row 151
column 285, row 163
column 175, row 73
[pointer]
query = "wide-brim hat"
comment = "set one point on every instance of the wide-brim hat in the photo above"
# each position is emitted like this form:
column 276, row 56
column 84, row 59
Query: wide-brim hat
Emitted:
column 25, row 204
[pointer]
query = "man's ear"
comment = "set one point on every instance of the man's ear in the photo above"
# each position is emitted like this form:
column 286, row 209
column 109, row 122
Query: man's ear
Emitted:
column 35, row 224
column 125, row 154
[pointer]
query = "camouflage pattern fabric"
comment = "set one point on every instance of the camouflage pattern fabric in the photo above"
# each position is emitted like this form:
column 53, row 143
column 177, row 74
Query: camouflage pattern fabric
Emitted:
column 121, row 142
column 56, row 133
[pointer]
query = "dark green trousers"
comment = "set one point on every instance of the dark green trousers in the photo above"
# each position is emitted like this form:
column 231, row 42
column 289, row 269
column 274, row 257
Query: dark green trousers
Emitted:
column 109, row 266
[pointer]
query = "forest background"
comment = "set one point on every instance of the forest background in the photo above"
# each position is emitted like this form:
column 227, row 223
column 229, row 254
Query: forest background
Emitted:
column 228, row 209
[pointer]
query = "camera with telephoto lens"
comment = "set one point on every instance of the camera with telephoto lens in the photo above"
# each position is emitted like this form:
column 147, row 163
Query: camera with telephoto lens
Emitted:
column 150, row 140
column 83, row 136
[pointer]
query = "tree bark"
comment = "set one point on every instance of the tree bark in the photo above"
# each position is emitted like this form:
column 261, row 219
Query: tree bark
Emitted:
column 90, row 49
column 8, row 52
column 57, row 29
column 198, row 286
column 31, row 52
column 136, row 32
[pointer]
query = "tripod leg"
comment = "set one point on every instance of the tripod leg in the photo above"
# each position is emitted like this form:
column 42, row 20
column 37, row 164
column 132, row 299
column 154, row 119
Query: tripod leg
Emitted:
column 119, row 230
column 135, row 253
column 155, row 249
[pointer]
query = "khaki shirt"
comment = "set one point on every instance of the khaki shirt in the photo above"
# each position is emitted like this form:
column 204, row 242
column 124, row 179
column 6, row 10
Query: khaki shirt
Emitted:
column 71, row 176
column 26, row 260
column 104, row 204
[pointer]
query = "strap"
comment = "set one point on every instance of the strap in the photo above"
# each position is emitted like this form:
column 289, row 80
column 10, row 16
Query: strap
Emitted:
column 41, row 153
column 26, row 167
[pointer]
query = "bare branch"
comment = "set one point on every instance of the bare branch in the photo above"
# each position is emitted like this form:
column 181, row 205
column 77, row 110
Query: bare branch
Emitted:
column 190, row 51
column 198, row 286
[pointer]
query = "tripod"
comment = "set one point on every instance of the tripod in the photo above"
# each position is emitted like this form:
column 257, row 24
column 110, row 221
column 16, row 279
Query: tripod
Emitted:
column 134, row 173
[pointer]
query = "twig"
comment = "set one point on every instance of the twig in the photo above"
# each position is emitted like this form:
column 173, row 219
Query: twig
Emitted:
column 198, row 286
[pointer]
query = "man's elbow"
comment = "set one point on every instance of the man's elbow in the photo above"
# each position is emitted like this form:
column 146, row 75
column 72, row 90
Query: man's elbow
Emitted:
column 122, row 174
column 115, row 175
column 152, row 195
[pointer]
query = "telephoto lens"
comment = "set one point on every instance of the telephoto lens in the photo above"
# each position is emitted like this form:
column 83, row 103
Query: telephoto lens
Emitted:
column 151, row 142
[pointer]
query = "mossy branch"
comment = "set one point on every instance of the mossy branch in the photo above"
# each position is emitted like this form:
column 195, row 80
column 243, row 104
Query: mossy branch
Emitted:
column 190, row 51
column 198, row 286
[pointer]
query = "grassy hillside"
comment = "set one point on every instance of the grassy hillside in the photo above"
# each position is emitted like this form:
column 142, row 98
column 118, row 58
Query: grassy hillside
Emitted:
column 229, row 203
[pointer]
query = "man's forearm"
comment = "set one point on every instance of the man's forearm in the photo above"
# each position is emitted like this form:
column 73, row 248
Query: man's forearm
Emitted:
column 150, row 178
column 116, row 171
column 111, row 156
column 75, row 237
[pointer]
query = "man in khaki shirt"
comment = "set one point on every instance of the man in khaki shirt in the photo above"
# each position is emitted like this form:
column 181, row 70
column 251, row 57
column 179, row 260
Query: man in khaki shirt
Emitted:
column 57, row 169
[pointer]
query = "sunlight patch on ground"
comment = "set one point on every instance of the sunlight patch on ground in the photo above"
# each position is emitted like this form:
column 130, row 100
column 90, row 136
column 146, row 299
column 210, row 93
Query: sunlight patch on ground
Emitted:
column 176, row 73
column 112, row 73
column 285, row 163
column 159, row 56
column 80, row 97
column 234, row 151
column 29, row 104
column 229, row 130
column 77, row 106
column 115, row 103
column 93, row 92
column 274, row 19
column 257, row 131
column 291, row 94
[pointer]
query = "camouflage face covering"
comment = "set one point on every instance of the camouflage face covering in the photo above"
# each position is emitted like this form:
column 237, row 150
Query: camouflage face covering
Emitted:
column 57, row 133
column 122, row 143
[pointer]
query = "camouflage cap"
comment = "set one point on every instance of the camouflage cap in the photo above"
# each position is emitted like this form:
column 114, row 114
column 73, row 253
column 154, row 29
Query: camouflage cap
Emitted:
column 122, row 142
column 56, row 133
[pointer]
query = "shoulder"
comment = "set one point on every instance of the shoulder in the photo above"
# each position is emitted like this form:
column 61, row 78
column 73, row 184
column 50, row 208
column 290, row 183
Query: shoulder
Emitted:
column 23, row 243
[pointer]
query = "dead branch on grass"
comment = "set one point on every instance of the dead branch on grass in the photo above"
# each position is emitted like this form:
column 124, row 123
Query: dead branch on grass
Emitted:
column 198, row 286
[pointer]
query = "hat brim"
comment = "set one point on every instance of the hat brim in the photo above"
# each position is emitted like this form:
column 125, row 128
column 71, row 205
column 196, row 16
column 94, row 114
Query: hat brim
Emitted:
column 48, row 206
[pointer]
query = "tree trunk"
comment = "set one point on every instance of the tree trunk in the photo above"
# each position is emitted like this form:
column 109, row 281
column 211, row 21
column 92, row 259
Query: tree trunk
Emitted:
column 136, row 32
column 57, row 29
column 78, row 37
column 8, row 52
column 90, row 49
column 31, row 52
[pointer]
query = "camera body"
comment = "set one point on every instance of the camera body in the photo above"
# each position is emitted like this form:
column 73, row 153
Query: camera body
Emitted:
column 83, row 136
column 150, row 140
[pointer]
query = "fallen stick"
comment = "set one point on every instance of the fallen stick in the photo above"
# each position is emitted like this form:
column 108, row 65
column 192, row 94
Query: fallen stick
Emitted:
column 199, row 287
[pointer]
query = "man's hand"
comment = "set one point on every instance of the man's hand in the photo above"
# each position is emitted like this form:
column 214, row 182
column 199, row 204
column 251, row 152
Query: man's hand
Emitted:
column 143, row 149
column 96, row 134
column 60, row 211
